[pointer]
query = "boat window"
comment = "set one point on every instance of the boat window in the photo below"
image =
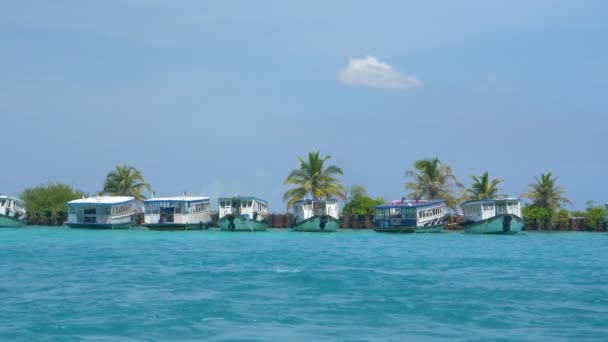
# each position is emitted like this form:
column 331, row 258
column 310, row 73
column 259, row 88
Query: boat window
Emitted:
column 379, row 214
column 2, row 202
column 396, row 212
column 108, row 210
column 72, row 210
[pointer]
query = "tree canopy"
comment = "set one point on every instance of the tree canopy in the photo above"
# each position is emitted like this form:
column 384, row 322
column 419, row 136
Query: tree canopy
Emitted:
column 47, row 204
column 433, row 180
column 126, row 180
column 359, row 203
column 315, row 179
column 545, row 193
column 483, row 187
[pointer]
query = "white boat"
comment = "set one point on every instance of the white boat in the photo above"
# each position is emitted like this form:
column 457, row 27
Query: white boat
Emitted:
column 243, row 213
column 410, row 216
column 102, row 212
column 177, row 213
column 12, row 212
column 496, row 215
column 316, row 215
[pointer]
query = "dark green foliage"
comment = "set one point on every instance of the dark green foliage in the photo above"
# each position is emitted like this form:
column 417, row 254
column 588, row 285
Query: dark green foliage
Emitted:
column 547, row 200
column 561, row 219
column 126, row 181
column 483, row 187
column 360, row 204
column 537, row 217
column 313, row 178
column 595, row 217
column 433, row 180
column 47, row 204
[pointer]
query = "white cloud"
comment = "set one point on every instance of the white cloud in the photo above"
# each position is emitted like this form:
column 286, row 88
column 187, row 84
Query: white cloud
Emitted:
column 371, row 72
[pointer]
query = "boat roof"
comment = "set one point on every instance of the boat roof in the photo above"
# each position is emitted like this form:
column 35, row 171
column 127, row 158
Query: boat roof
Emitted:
column 178, row 199
column 10, row 198
column 410, row 204
column 491, row 199
column 242, row 198
column 102, row 200
column 332, row 200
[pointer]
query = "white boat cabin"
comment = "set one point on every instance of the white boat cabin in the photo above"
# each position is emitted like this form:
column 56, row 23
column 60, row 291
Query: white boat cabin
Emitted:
column 177, row 210
column 248, row 206
column 305, row 209
column 102, row 210
column 410, row 213
column 479, row 210
column 12, row 207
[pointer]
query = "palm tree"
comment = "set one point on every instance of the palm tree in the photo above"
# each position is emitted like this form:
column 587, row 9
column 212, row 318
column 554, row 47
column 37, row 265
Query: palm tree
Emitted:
column 315, row 179
column 545, row 193
column 483, row 188
column 432, row 180
column 125, row 181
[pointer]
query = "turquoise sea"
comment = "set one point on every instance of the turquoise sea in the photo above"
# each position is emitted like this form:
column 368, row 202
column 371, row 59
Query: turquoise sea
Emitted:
column 137, row 285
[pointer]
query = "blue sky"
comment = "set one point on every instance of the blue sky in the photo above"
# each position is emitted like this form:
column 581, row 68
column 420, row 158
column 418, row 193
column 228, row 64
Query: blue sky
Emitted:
column 220, row 97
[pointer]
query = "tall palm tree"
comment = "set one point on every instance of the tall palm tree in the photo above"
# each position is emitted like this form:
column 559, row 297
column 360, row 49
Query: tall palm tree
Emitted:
column 315, row 179
column 125, row 181
column 545, row 193
column 432, row 180
column 482, row 187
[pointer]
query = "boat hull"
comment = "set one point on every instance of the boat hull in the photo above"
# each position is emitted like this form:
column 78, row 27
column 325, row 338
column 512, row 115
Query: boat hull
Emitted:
column 241, row 224
column 125, row 225
column 318, row 223
column 501, row 224
column 10, row 222
column 398, row 230
column 176, row 226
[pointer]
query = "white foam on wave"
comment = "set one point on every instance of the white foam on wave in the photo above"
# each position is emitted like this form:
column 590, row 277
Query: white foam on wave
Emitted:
column 287, row 270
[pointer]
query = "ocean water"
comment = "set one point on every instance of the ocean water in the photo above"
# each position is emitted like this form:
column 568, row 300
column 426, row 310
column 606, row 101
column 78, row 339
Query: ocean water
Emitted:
column 137, row 285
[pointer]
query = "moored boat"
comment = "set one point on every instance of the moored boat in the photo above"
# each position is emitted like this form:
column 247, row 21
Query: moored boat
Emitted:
column 243, row 213
column 177, row 213
column 319, row 215
column 410, row 216
column 12, row 212
column 102, row 212
column 495, row 215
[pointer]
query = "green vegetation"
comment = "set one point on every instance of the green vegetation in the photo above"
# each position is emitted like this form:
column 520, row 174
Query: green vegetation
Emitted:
column 546, row 194
column 432, row 180
column 125, row 181
column 547, row 199
column 313, row 178
column 482, row 187
column 596, row 214
column 359, row 203
column 536, row 217
column 46, row 204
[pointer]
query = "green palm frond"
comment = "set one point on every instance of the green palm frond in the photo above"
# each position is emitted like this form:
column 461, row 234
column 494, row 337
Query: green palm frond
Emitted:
column 432, row 180
column 313, row 178
column 126, row 180
column 482, row 187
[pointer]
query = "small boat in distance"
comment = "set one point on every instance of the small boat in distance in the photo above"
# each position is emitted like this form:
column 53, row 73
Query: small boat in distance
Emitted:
column 410, row 216
column 102, row 212
column 12, row 212
column 177, row 213
column 316, row 215
column 243, row 213
column 495, row 215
